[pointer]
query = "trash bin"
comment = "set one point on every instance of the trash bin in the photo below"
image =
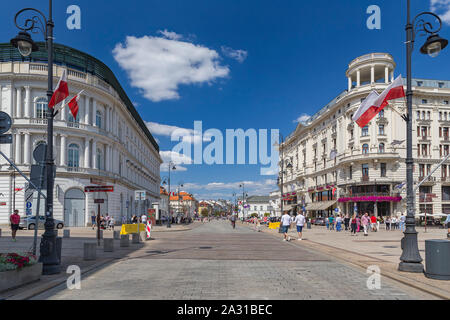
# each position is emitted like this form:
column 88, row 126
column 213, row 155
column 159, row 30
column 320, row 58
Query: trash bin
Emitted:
column 437, row 259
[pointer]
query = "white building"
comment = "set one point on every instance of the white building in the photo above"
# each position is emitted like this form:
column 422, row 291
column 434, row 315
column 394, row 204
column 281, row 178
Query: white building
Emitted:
column 108, row 144
column 330, row 162
column 259, row 205
column 275, row 203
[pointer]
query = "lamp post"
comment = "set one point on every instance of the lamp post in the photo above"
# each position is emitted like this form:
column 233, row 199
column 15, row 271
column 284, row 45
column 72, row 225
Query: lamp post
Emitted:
column 25, row 44
column 243, row 199
column 169, row 215
column 411, row 260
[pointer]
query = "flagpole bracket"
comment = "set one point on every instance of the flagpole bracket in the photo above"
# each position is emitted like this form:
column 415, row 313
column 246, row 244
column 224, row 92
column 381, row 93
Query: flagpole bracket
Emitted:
column 405, row 117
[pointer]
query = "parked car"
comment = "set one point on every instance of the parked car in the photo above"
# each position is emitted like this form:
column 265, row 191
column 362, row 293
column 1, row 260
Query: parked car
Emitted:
column 319, row 222
column 30, row 223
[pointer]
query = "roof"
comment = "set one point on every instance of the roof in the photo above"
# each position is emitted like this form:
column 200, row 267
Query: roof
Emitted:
column 258, row 199
column 75, row 59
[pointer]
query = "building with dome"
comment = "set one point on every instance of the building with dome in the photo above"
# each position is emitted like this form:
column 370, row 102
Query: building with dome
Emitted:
column 333, row 165
column 108, row 144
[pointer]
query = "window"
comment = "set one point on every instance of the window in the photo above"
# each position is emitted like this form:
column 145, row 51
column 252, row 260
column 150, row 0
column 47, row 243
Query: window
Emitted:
column 418, row 115
column 424, row 132
column 365, row 131
column 365, row 170
column 424, row 150
column 381, row 114
column 351, row 172
column 381, row 129
column 41, row 108
column 444, row 171
column 446, row 102
column 424, row 101
column 74, row 156
column 99, row 159
column 441, row 85
column 419, row 83
column 381, row 148
column 428, row 115
column 351, row 134
column 365, row 148
column 383, row 170
column 440, row 115
column 446, row 193
column 98, row 119
column 421, row 170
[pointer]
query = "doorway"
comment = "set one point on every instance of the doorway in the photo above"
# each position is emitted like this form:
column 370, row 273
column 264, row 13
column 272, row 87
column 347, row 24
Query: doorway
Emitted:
column 74, row 208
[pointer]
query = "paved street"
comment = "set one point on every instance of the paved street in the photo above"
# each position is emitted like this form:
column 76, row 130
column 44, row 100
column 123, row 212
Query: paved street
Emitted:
column 213, row 261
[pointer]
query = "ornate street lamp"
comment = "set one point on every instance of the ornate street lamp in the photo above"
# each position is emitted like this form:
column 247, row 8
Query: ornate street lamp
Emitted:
column 25, row 44
column 411, row 260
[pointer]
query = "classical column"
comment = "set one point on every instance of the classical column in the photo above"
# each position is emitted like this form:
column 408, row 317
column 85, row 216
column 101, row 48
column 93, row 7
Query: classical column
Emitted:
column 27, row 102
column 94, row 112
column 87, row 117
column 87, row 154
column 94, row 154
column 107, row 119
column 18, row 142
column 26, row 150
column 349, row 83
column 358, row 78
column 107, row 157
column 392, row 76
column 63, row 150
column 19, row 103
column 386, row 75
column 372, row 74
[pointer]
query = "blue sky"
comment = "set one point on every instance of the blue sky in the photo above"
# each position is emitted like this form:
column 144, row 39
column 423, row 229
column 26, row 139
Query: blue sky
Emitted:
column 233, row 64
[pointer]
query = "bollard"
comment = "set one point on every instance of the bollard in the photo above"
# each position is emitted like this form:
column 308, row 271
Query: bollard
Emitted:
column 90, row 251
column 108, row 245
column 117, row 235
column 124, row 240
column 58, row 247
column 66, row 233
column 135, row 238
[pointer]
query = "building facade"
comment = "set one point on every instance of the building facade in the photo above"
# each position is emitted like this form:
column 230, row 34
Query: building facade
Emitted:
column 333, row 165
column 183, row 204
column 108, row 144
column 259, row 205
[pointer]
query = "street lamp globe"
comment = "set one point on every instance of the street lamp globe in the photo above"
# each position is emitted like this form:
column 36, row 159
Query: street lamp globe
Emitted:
column 24, row 43
column 434, row 45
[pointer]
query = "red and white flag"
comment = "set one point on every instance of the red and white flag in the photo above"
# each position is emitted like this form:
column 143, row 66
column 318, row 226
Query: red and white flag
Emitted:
column 374, row 103
column 73, row 105
column 61, row 91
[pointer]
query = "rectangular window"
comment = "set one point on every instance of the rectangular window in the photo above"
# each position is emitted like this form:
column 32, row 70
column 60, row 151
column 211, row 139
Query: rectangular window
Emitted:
column 444, row 171
column 381, row 129
column 422, row 170
column 445, row 193
column 424, row 150
column 383, row 170
column 365, row 170
column 426, row 208
column 424, row 101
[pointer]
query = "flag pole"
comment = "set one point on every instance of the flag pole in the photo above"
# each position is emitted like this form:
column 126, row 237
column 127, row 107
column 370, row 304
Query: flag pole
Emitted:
column 65, row 104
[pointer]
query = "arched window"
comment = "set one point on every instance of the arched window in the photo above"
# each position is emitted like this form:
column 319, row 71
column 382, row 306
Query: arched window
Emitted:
column 381, row 114
column 41, row 108
column 99, row 159
column 74, row 157
column 98, row 119
column 365, row 148
column 381, row 148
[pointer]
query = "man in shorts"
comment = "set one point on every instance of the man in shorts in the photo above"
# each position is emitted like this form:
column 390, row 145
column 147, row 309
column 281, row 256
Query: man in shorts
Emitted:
column 300, row 221
column 15, row 221
column 285, row 224
column 447, row 223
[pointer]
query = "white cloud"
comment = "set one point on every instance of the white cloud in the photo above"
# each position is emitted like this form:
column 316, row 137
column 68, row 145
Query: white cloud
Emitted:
column 442, row 8
column 263, row 187
column 159, row 65
column 239, row 55
column 175, row 157
column 303, row 118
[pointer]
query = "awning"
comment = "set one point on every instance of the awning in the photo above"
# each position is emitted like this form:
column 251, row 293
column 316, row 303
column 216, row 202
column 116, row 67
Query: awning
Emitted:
column 318, row 206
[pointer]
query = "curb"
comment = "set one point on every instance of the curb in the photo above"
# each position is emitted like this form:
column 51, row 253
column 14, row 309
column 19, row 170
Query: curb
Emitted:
column 409, row 282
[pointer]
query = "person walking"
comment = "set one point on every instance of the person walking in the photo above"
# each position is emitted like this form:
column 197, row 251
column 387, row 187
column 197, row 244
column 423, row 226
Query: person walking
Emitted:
column 233, row 221
column 387, row 223
column 353, row 225
column 111, row 223
column 402, row 223
column 373, row 222
column 286, row 221
column 365, row 221
column 144, row 219
column 107, row 221
column 327, row 223
column 358, row 223
column 447, row 223
column 93, row 220
column 300, row 222
column 338, row 223
column 331, row 222
column 14, row 219
column 347, row 222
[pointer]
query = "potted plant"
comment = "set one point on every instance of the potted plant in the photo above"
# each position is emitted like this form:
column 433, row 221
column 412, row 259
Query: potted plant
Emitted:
column 17, row 269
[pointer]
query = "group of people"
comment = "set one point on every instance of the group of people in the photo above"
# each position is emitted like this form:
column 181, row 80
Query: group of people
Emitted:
column 287, row 220
column 105, row 222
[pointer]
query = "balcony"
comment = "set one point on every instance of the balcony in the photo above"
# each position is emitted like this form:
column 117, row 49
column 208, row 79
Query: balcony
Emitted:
column 445, row 179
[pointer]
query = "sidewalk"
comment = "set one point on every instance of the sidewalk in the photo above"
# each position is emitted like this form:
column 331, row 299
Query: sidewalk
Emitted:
column 380, row 248
column 72, row 254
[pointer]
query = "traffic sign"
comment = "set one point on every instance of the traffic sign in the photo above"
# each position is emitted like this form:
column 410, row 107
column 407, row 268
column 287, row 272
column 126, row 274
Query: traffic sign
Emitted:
column 29, row 205
column 5, row 125
column 40, row 152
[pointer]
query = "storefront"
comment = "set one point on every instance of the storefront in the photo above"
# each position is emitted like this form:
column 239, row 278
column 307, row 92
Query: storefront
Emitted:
column 378, row 205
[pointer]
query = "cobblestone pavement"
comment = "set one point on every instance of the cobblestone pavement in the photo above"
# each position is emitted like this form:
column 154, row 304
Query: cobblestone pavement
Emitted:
column 213, row 261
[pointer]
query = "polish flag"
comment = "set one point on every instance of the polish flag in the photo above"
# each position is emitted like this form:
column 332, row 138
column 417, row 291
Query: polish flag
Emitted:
column 374, row 103
column 73, row 105
column 61, row 92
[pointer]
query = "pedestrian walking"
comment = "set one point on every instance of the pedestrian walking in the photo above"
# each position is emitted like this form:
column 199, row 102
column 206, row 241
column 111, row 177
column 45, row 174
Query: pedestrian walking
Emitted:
column 144, row 219
column 365, row 221
column 373, row 222
column 14, row 219
column 338, row 223
column 107, row 218
column 402, row 222
column 327, row 223
column 393, row 223
column 300, row 222
column 353, row 225
column 124, row 220
column 111, row 223
column 331, row 222
column 286, row 221
column 388, row 223
column 93, row 220
column 358, row 223
column 447, row 222
column 347, row 222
